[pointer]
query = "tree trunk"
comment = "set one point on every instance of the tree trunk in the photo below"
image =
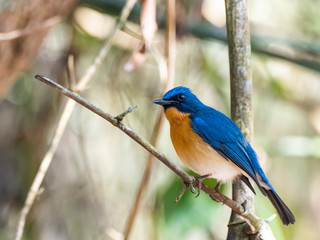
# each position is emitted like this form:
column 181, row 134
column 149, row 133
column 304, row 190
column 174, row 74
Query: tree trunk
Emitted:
column 238, row 31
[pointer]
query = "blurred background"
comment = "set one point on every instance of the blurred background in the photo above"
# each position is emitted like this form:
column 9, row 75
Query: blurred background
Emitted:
column 92, row 182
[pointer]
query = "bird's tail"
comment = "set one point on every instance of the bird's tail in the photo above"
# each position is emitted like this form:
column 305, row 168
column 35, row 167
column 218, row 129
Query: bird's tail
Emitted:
column 284, row 212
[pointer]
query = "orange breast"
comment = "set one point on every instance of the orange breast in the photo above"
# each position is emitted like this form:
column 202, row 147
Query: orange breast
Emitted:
column 194, row 152
column 189, row 146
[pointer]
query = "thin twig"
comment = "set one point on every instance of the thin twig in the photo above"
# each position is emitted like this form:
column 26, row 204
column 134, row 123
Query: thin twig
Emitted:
column 145, row 179
column 22, row 32
column 44, row 167
column 166, row 72
column 121, row 116
column 64, row 119
column 185, row 177
column 154, row 141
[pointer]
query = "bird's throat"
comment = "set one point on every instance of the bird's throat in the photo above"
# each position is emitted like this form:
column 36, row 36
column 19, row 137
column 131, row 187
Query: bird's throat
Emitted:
column 174, row 116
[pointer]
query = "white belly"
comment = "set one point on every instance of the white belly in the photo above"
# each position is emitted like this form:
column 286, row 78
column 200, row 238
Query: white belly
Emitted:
column 208, row 161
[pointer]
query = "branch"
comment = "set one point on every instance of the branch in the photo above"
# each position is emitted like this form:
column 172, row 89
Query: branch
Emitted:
column 145, row 179
column 305, row 54
column 238, row 29
column 121, row 116
column 185, row 177
column 64, row 119
column 241, row 87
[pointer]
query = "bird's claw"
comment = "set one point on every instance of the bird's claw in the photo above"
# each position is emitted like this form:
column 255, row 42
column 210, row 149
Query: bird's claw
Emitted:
column 217, row 187
column 191, row 186
column 200, row 179
column 244, row 204
column 185, row 186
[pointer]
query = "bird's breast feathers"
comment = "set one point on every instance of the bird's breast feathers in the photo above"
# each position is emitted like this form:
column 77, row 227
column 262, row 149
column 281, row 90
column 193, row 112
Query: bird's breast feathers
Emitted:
column 194, row 152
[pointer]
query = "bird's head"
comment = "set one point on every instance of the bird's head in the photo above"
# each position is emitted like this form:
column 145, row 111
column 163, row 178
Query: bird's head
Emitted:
column 180, row 98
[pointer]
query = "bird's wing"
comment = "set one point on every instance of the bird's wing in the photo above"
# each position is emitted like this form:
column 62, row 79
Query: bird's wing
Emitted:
column 226, row 138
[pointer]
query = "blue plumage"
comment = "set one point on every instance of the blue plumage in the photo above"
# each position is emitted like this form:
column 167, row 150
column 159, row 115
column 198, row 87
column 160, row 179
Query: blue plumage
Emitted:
column 222, row 134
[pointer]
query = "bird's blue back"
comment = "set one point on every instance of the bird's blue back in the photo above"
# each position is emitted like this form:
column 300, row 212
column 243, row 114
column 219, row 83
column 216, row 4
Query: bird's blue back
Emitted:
column 222, row 134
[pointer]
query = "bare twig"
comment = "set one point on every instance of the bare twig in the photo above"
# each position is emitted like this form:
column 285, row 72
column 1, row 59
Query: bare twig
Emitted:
column 145, row 179
column 154, row 141
column 167, row 67
column 121, row 116
column 68, row 109
column 22, row 32
column 185, row 177
column 44, row 167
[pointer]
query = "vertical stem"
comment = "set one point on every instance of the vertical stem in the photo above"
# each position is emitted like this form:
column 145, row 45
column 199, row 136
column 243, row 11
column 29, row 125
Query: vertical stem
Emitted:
column 238, row 31
column 144, row 181
column 170, row 55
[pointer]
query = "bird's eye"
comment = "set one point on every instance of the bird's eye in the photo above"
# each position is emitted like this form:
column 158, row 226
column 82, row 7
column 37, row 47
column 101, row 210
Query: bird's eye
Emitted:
column 181, row 97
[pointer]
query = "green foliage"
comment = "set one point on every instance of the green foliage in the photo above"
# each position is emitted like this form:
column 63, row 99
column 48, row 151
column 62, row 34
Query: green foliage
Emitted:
column 188, row 214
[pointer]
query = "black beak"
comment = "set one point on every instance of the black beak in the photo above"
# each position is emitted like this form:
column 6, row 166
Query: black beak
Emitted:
column 166, row 103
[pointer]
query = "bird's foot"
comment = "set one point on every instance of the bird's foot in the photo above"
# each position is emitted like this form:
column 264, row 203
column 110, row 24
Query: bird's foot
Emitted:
column 200, row 179
column 184, row 188
column 191, row 186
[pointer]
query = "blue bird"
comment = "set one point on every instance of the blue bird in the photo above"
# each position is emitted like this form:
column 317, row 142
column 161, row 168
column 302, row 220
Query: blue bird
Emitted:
column 210, row 143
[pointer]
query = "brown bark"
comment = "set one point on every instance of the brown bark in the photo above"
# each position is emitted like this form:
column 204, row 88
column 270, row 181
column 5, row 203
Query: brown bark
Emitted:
column 27, row 17
column 238, row 30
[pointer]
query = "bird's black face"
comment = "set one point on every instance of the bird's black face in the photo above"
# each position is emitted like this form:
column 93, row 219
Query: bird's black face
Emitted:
column 180, row 98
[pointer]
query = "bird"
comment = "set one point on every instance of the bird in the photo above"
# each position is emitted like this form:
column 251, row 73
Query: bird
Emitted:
column 211, row 145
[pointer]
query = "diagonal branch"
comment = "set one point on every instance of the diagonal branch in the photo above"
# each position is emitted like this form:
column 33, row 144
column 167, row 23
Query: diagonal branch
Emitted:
column 253, row 221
